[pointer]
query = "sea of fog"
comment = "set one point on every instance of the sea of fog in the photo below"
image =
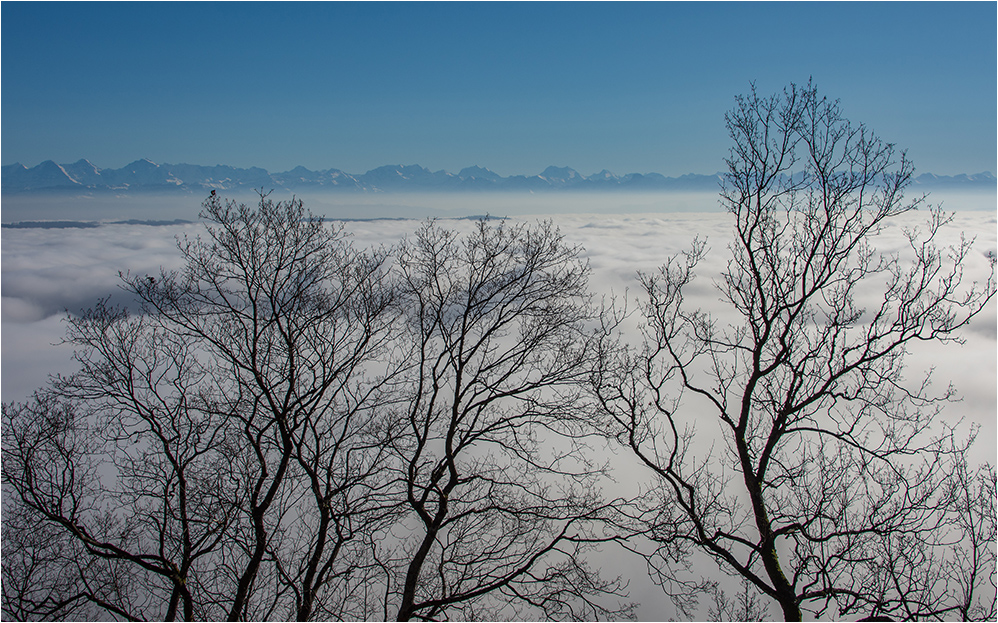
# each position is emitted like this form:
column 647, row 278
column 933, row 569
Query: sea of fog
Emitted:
column 47, row 271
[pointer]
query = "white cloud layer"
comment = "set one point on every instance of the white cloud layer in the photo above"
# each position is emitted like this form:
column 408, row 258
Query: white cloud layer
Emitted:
column 46, row 271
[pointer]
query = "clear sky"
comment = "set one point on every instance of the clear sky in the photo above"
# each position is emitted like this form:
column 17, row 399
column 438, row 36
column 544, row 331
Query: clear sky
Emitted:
column 514, row 87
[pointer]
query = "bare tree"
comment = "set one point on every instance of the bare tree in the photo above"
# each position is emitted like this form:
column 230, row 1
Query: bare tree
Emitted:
column 949, row 572
column 55, row 566
column 121, row 486
column 790, row 447
column 243, row 476
column 502, row 500
column 291, row 428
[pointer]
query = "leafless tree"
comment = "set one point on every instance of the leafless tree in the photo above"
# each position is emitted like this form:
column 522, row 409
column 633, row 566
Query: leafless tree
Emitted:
column 789, row 446
column 502, row 500
column 291, row 428
column 131, row 512
column 53, row 568
column 949, row 572
column 218, row 455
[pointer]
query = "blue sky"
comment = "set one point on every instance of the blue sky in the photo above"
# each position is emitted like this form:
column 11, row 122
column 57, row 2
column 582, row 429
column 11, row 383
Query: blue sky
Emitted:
column 514, row 87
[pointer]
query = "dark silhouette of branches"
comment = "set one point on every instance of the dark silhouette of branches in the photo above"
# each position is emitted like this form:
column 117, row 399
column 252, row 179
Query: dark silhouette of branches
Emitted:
column 291, row 428
column 827, row 482
column 219, row 452
column 502, row 500
column 294, row 429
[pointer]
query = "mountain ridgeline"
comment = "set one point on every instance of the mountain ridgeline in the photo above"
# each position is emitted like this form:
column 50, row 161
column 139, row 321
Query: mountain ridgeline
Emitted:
column 147, row 176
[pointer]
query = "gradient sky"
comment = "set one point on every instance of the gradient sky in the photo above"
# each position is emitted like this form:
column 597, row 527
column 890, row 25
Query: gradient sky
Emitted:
column 514, row 87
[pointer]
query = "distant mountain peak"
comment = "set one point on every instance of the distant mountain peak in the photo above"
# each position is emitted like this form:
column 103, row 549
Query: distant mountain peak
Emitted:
column 479, row 174
column 960, row 180
column 475, row 169
column 146, row 175
column 563, row 173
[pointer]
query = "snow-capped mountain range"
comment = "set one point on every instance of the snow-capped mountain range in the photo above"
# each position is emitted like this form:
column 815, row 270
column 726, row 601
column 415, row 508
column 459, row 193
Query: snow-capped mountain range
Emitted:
column 147, row 176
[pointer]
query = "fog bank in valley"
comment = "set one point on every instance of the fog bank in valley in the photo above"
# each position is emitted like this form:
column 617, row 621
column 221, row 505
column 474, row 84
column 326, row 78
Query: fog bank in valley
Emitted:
column 47, row 271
